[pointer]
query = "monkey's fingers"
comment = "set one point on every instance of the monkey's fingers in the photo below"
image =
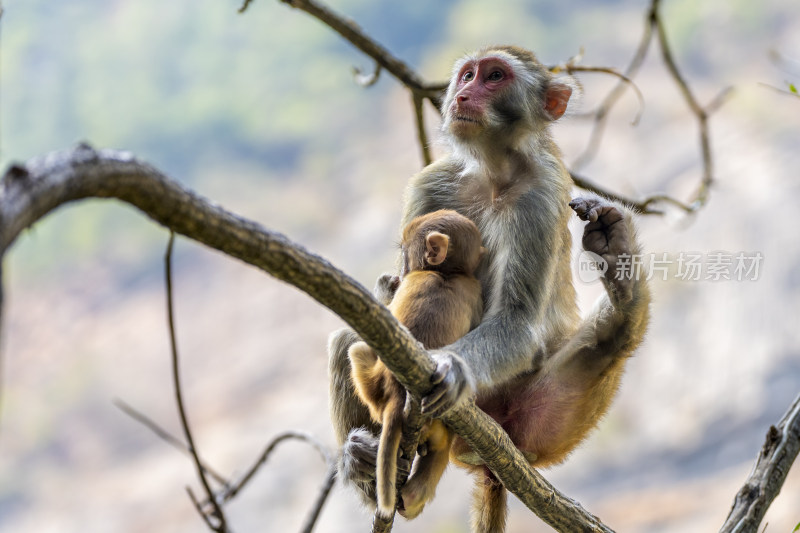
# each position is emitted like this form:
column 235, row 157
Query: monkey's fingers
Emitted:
column 450, row 385
column 359, row 456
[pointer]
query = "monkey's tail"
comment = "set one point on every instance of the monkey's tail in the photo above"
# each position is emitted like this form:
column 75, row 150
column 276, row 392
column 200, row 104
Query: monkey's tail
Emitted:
column 488, row 504
column 386, row 471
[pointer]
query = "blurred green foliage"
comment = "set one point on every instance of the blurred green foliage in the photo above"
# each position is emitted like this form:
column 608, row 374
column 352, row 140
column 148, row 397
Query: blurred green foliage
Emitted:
column 207, row 94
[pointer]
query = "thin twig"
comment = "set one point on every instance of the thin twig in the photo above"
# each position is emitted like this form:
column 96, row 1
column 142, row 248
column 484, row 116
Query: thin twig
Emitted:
column 166, row 437
column 422, row 135
column 322, row 497
column 778, row 90
column 367, row 80
column 237, row 487
column 700, row 113
column 641, row 207
column 434, row 92
column 601, row 115
column 199, row 507
column 217, row 510
column 625, row 80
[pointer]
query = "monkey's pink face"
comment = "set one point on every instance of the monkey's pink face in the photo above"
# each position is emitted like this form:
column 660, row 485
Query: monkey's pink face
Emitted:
column 478, row 85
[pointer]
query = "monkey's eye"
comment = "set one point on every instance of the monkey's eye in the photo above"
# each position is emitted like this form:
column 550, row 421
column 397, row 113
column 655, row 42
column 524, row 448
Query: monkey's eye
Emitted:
column 468, row 75
column 496, row 75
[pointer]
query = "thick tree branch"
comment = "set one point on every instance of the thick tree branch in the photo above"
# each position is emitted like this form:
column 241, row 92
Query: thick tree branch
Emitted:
column 29, row 192
column 770, row 471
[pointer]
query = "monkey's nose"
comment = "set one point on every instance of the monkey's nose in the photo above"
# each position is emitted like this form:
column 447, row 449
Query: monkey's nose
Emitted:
column 463, row 97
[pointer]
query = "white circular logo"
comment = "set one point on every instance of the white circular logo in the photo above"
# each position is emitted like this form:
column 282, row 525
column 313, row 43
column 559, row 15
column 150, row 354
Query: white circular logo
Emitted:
column 591, row 267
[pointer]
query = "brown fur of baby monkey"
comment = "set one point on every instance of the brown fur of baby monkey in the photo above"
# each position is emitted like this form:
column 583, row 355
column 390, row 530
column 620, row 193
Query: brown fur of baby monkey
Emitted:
column 439, row 300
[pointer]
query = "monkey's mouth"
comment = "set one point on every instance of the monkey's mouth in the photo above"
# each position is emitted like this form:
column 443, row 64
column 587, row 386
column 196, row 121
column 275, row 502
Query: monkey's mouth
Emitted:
column 462, row 118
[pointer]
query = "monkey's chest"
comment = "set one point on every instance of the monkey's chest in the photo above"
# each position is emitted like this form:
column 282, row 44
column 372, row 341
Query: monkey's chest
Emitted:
column 482, row 198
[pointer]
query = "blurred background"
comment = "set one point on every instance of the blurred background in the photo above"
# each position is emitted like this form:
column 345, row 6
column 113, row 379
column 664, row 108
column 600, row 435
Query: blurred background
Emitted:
column 259, row 112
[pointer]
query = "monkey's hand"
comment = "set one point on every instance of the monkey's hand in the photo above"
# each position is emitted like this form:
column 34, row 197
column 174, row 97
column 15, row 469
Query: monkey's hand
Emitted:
column 359, row 457
column 385, row 288
column 609, row 235
column 452, row 383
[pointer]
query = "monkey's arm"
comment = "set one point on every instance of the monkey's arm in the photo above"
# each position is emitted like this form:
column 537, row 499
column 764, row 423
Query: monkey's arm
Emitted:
column 524, row 293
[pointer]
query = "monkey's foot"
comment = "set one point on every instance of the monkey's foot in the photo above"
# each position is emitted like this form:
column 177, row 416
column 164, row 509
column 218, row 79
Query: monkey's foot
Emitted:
column 610, row 236
column 411, row 505
column 359, row 457
column 385, row 288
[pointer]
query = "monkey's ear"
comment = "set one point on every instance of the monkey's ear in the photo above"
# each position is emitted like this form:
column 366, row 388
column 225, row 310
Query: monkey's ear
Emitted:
column 436, row 244
column 556, row 98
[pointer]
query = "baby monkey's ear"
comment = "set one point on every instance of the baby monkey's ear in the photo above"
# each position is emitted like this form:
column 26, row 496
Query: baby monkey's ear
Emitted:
column 436, row 244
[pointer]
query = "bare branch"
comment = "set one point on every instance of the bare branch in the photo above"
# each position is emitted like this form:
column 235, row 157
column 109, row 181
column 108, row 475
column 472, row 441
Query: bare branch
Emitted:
column 434, row 92
column 422, row 135
column 625, row 80
column 700, row 113
column 199, row 508
column 166, row 437
column 358, row 38
column 721, row 99
column 768, row 475
column 784, row 92
column 641, row 207
column 201, row 473
column 230, row 492
column 322, row 497
column 262, row 459
column 367, row 80
column 601, row 115
column 62, row 177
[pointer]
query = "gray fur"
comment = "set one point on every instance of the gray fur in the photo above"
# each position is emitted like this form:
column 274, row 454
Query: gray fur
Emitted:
column 509, row 179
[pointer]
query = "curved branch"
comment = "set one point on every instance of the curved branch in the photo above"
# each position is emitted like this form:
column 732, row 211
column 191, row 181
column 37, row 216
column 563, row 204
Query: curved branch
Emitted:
column 624, row 81
column 358, row 38
column 422, row 135
column 262, row 459
column 770, row 471
column 29, row 192
column 367, row 80
column 434, row 92
column 601, row 115
column 216, row 509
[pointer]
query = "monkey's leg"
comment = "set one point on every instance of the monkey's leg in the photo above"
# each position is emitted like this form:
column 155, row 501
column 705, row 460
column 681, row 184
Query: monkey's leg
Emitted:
column 354, row 429
column 421, row 486
column 488, row 504
column 616, row 325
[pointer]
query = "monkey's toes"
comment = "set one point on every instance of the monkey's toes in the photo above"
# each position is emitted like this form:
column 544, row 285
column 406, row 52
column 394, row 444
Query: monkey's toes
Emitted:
column 586, row 208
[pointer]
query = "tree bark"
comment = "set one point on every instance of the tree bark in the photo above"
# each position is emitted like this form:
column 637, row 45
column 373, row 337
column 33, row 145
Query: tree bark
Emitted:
column 29, row 192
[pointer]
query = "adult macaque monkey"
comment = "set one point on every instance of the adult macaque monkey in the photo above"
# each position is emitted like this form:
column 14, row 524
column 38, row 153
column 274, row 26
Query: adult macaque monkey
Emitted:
column 543, row 373
column 439, row 300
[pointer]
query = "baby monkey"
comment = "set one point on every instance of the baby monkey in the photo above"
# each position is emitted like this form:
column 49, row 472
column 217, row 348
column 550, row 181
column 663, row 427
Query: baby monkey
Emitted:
column 439, row 300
